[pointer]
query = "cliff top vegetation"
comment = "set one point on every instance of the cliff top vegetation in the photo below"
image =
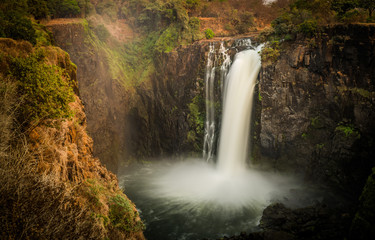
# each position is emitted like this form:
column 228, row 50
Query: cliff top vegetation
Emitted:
column 305, row 19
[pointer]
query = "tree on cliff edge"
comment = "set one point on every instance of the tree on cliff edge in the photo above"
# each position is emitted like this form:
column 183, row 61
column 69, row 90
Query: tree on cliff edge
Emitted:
column 369, row 5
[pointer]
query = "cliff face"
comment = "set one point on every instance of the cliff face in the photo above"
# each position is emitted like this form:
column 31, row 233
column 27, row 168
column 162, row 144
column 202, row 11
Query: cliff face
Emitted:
column 136, row 121
column 317, row 107
column 51, row 185
column 104, row 98
column 166, row 115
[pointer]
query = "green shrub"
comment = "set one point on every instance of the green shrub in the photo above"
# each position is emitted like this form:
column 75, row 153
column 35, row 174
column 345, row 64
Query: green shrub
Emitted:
column 194, row 23
column 308, row 27
column 192, row 4
column 64, row 8
column 43, row 36
column 196, row 117
column 352, row 15
column 342, row 6
column 38, row 8
column 209, row 33
column 123, row 216
column 19, row 27
column 283, row 25
column 368, row 5
column 86, row 7
column 271, row 52
column 348, row 130
column 246, row 21
column 316, row 122
column 102, row 32
column 108, row 8
column 370, row 19
column 194, row 26
column 168, row 39
column 46, row 88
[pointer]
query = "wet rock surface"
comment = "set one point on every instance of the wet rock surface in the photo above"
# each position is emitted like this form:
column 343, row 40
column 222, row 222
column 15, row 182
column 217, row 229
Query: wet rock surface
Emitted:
column 317, row 107
column 315, row 222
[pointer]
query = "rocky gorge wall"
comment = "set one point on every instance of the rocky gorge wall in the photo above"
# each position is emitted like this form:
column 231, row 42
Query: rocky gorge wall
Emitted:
column 136, row 121
column 314, row 112
column 317, row 107
column 102, row 96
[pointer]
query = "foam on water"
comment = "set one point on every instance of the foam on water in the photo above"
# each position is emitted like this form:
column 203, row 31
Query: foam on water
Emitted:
column 197, row 182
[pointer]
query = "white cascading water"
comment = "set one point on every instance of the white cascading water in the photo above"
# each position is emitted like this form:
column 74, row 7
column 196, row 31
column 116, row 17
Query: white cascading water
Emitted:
column 224, row 66
column 213, row 61
column 209, row 129
column 238, row 101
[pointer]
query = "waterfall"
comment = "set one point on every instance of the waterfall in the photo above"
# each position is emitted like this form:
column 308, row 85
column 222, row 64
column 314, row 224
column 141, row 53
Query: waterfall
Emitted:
column 237, row 89
column 214, row 60
column 209, row 129
column 228, row 197
column 238, row 101
column 224, row 66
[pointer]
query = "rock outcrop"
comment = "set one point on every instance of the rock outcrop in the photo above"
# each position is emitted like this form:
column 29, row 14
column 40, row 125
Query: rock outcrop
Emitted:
column 166, row 98
column 317, row 107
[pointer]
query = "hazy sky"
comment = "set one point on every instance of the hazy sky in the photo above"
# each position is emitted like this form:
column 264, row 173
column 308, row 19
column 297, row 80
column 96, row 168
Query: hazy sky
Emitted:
column 268, row 1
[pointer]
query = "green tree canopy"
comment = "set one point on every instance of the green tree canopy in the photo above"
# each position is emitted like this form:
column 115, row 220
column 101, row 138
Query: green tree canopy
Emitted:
column 369, row 5
column 38, row 8
column 342, row 6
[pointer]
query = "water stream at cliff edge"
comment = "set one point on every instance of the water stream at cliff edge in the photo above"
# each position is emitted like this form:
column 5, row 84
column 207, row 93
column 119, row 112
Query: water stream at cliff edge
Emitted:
column 195, row 199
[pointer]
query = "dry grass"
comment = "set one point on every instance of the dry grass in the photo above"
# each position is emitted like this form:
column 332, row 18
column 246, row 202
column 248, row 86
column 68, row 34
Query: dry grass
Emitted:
column 43, row 177
column 33, row 206
column 7, row 93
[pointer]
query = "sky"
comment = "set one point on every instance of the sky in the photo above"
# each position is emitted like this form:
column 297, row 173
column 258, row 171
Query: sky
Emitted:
column 268, row 1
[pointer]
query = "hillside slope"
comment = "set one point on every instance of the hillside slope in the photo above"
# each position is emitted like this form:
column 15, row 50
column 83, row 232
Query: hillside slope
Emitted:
column 51, row 187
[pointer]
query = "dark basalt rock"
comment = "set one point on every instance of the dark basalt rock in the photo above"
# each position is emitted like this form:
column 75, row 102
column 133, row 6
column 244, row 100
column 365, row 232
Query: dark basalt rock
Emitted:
column 315, row 222
column 318, row 107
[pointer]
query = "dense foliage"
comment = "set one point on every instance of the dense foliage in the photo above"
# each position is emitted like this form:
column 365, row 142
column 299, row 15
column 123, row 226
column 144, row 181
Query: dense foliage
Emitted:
column 16, row 16
column 14, row 22
column 209, row 33
column 45, row 89
column 169, row 18
column 305, row 17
